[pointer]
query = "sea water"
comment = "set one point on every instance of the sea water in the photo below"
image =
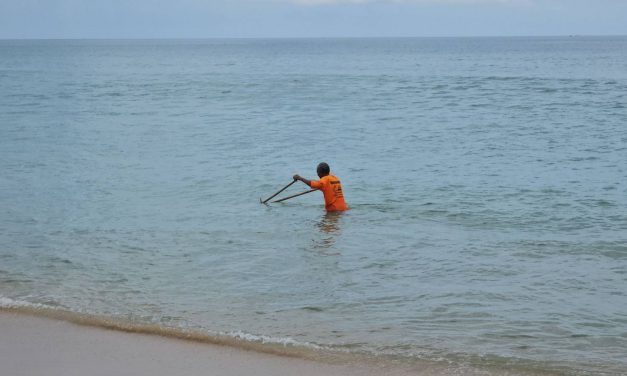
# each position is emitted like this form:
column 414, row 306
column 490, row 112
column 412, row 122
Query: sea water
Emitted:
column 486, row 176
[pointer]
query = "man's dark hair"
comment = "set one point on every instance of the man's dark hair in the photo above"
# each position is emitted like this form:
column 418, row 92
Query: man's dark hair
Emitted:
column 323, row 169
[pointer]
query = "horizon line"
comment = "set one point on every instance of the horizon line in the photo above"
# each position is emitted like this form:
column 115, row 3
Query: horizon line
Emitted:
column 314, row 37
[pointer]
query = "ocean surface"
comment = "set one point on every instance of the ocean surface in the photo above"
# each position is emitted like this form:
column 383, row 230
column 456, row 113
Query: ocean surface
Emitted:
column 486, row 176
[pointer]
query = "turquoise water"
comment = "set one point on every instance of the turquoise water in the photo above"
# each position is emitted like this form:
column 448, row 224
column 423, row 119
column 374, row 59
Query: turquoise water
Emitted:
column 486, row 179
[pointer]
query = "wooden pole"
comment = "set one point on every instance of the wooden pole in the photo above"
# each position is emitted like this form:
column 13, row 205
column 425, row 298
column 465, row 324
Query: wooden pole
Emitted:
column 282, row 189
column 296, row 195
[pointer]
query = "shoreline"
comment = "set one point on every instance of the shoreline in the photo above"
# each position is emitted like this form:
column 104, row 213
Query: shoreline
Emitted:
column 34, row 345
column 40, row 340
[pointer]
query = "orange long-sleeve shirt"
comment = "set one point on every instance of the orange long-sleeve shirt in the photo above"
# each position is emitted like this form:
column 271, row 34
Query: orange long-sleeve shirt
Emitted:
column 332, row 189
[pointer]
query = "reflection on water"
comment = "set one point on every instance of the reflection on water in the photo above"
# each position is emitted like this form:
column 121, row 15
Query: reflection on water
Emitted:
column 329, row 227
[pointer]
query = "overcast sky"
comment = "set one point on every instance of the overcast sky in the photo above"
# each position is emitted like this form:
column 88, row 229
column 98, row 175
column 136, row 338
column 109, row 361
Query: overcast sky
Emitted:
column 308, row 18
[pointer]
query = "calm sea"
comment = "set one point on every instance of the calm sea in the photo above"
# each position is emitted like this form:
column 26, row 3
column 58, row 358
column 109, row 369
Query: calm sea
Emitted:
column 487, row 180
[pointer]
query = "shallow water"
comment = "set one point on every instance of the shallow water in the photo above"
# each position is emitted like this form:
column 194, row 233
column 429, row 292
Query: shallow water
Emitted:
column 486, row 179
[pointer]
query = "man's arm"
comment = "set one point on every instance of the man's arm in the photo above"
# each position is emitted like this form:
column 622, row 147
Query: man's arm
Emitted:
column 298, row 177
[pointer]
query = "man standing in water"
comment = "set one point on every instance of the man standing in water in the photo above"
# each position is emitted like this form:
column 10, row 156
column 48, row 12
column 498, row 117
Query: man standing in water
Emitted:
column 330, row 186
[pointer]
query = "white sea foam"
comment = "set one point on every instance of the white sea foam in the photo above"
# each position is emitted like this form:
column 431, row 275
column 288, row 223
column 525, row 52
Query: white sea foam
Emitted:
column 284, row 341
column 12, row 303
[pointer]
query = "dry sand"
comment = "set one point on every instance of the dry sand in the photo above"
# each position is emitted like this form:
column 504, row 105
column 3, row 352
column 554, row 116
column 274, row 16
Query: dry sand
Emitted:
column 33, row 346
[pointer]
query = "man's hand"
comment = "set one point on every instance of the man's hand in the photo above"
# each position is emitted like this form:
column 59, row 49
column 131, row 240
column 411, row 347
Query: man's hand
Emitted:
column 298, row 177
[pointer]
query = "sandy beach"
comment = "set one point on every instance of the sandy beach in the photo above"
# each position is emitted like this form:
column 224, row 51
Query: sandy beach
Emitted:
column 32, row 346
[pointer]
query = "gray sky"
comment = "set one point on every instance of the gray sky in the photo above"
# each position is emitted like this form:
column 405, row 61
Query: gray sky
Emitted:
column 308, row 18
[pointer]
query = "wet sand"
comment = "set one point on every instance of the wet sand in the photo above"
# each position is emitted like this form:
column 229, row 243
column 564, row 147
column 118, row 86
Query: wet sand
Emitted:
column 33, row 346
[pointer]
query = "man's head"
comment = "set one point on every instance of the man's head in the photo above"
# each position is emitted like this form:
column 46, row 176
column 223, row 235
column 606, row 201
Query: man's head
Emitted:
column 323, row 169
